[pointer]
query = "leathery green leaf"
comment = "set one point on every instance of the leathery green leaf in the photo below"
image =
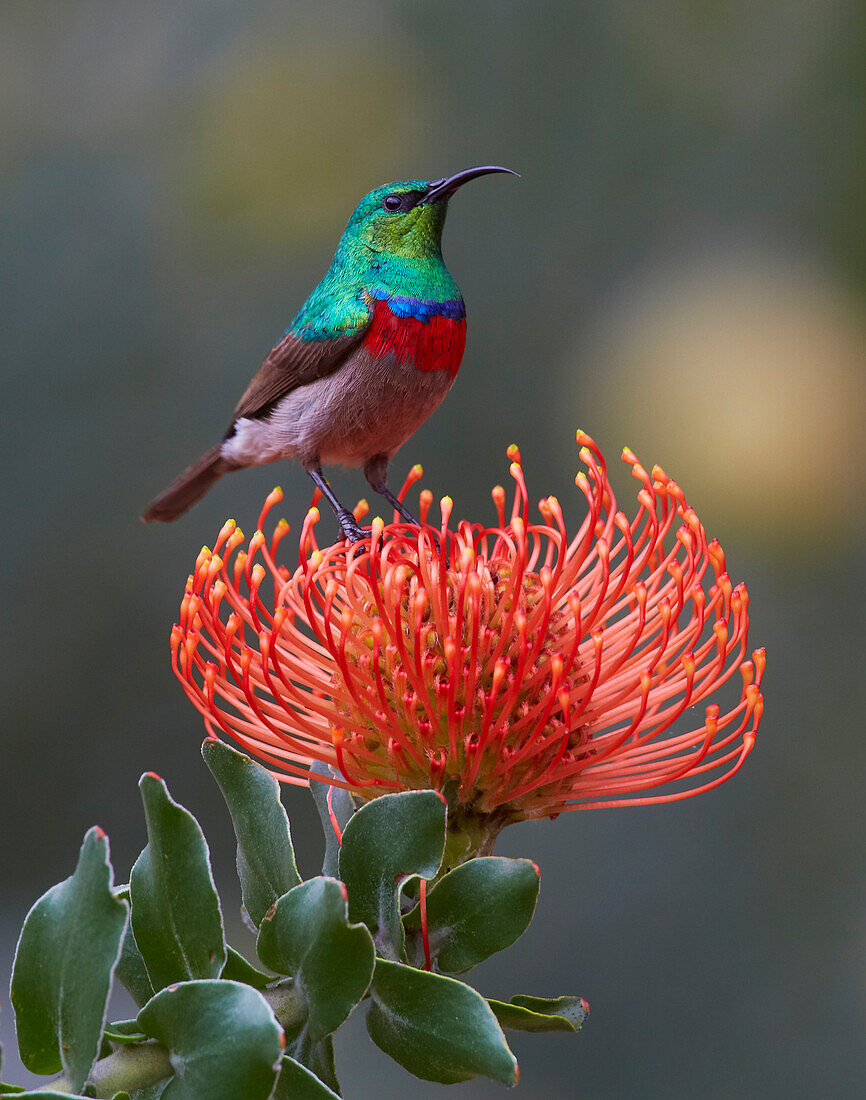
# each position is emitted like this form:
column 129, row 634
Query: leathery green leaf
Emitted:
column 296, row 1082
column 318, row 1058
column 265, row 859
column 124, row 1032
column 222, row 1037
column 436, row 1027
column 43, row 1094
column 308, row 935
column 131, row 971
column 336, row 807
column 237, row 969
column 387, row 841
column 176, row 917
column 61, row 978
column 153, row 1092
column 477, row 909
column 525, row 1013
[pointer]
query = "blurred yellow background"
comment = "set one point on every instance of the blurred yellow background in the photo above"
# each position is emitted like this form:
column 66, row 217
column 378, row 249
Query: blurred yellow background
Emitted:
column 681, row 268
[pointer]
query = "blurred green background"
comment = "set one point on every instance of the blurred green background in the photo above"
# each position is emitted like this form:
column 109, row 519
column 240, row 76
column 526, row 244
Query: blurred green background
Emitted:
column 682, row 268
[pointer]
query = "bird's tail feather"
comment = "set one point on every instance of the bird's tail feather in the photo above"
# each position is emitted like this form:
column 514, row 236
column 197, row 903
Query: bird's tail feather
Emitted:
column 188, row 487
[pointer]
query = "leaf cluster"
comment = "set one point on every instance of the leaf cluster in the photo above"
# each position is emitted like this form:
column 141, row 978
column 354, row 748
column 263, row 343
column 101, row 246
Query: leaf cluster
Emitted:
column 384, row 923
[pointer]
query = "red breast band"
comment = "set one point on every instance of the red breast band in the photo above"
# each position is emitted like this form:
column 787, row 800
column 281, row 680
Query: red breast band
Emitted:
column 434, row 344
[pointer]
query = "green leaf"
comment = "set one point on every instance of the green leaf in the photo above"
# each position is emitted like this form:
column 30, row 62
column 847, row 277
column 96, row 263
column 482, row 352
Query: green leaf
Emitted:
column 436, row 1027
column 222, row 1037
column 331, row 800
column 574, row 1009
column 266, row 859
column 41, row 1094
column 61, row 978
column 307, row 935
column 477, row 909
column 290, row 1004
column 153, row 1092
column 525, row 1013
column 124, row 1032
column 296, row 1082
column 176, row 914
column 388, row 840
column 131, row 971
column 237, row 969
column 318, row 1058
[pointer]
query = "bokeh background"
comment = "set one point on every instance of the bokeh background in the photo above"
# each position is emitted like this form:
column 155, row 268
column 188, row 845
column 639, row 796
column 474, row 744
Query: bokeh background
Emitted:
column 682, row 268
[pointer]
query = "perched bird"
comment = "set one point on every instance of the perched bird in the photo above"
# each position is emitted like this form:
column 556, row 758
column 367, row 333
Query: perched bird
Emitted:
column 369, row 356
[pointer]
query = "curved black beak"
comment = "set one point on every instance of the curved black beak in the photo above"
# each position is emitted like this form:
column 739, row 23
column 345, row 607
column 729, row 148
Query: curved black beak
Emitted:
column 442, row 190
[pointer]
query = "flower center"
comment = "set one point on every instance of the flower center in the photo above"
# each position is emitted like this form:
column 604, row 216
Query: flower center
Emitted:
column 464, row 681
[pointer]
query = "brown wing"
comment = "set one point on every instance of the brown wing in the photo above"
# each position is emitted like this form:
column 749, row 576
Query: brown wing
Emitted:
column 293, row 363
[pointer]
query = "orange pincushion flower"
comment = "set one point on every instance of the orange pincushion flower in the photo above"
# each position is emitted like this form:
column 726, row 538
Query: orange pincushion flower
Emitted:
column 519, row 671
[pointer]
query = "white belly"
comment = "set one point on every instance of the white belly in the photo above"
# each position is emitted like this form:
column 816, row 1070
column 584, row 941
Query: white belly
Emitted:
column 368, row 407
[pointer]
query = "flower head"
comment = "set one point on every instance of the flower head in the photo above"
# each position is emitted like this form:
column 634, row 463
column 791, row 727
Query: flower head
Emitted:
column 519, row 670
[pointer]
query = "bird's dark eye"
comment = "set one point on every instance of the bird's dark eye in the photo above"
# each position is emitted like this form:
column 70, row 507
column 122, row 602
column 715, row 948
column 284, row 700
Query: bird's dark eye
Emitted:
column 392, row 202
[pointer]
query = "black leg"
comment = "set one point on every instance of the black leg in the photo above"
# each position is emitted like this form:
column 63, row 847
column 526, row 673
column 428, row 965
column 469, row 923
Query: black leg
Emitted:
column 392, row 500
column 347, row 521
column 376, row 473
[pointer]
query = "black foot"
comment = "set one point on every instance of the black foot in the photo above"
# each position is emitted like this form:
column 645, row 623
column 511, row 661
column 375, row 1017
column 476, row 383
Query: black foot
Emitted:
column 350, row 526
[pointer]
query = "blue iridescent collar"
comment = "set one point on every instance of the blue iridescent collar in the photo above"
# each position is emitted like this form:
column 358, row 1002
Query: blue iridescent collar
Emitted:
column 422, row 309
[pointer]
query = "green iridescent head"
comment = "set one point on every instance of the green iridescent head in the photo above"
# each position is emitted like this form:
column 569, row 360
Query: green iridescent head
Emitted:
column 406, row 218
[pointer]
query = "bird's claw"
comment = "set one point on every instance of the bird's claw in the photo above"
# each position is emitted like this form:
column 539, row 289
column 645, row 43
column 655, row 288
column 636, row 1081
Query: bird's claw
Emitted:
column 350, row 527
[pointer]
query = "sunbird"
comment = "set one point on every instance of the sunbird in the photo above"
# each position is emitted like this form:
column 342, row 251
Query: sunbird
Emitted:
column 369, row 356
